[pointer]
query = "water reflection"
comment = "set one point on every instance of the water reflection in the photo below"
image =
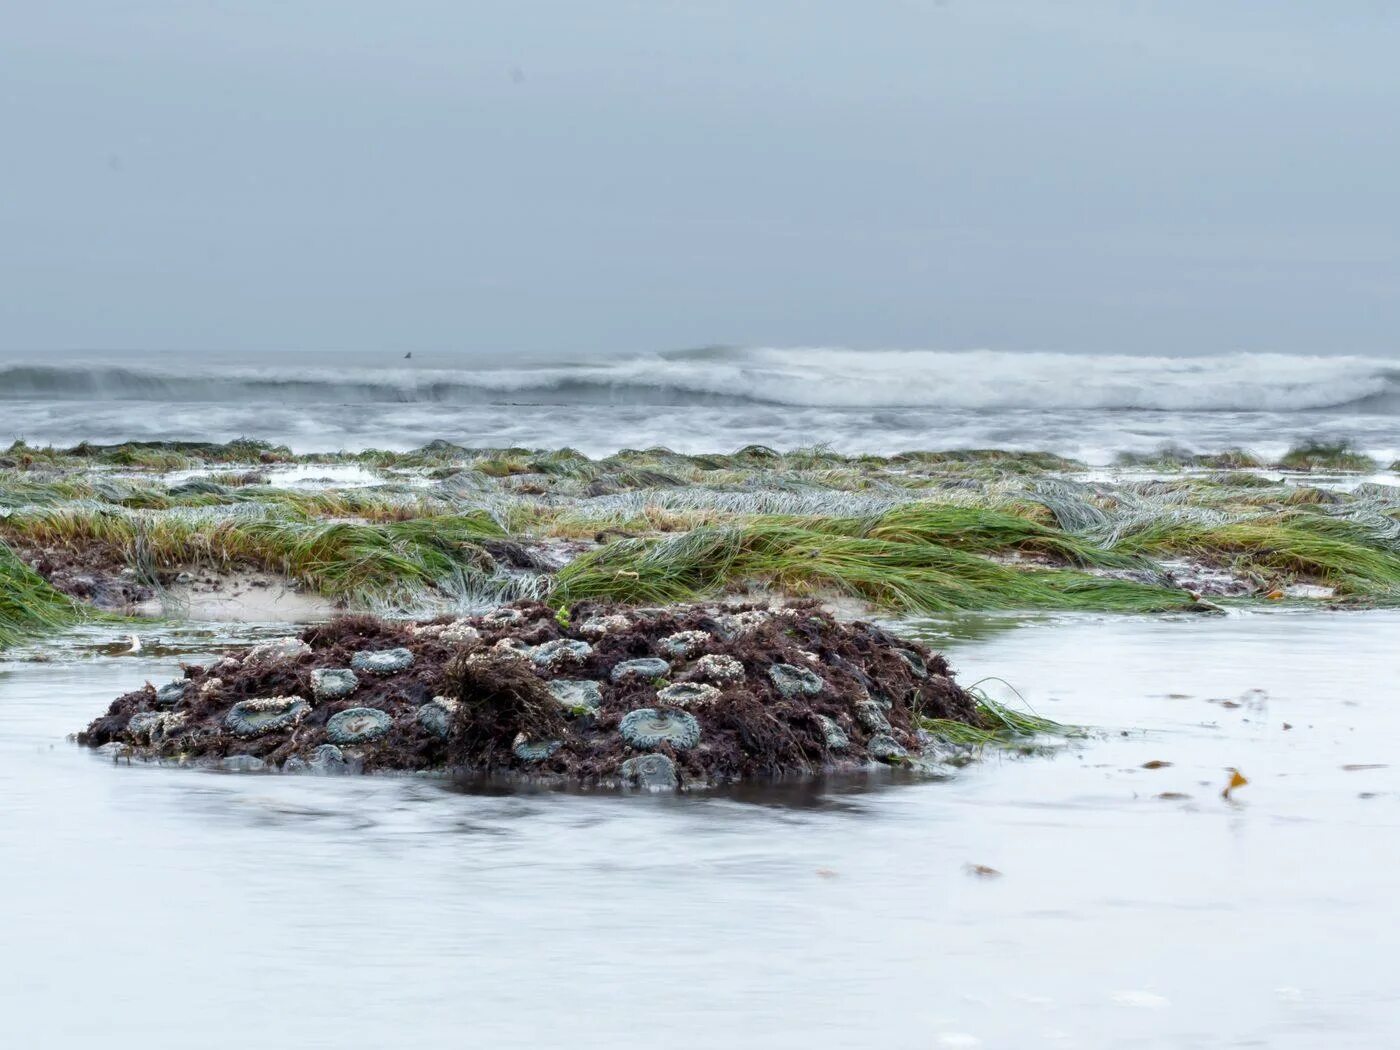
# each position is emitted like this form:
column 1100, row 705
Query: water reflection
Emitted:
column 150, row 906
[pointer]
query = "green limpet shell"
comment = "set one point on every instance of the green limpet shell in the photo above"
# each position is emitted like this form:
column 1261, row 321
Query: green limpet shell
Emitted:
column 358, row 725
column 794, row 681
column 265, row 715
column 647, row 727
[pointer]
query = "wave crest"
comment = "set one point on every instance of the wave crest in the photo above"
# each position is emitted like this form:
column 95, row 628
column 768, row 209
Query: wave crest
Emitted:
column 813, row 377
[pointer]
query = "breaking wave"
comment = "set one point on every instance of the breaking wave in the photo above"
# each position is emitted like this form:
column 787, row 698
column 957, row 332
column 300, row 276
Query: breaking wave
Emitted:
column 809, row 377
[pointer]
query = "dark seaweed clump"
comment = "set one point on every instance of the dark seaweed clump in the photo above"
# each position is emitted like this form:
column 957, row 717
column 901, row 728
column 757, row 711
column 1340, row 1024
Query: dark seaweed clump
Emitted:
column 493, row 708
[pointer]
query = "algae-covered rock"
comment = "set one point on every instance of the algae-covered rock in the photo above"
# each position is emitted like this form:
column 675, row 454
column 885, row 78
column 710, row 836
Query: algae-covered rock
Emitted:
column 382, row 661
column 793, row 693
column 358, row 725
column 249, row 718
column 333, row 683
column 647, row 727
column 647, row 668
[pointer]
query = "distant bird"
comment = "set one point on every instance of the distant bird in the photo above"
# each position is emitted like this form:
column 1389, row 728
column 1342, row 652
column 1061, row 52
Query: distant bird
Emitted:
column 135, row 645
column 408, row 355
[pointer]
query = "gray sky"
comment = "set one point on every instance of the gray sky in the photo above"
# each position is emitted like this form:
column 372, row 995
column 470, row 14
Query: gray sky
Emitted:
column 566, row 177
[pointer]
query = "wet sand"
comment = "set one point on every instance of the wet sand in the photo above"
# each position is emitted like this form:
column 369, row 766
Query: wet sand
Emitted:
column 182, row 905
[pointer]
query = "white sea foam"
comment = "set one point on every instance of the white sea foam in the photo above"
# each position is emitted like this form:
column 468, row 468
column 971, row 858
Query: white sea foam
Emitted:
column 809, row 377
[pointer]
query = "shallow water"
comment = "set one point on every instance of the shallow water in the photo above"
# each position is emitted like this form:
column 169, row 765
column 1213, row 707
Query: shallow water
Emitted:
column 159, row 907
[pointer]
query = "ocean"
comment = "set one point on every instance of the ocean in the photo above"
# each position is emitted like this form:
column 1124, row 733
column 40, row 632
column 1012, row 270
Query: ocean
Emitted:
column 1090, row 407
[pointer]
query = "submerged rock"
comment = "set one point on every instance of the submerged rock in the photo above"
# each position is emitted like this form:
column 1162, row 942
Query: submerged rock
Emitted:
column 333, row 683
column 358, row 725
column 383, row 661
column 647, row 727
column 654, row 772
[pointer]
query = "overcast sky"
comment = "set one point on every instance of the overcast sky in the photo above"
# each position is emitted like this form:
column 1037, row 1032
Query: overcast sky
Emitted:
column 574, row 177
